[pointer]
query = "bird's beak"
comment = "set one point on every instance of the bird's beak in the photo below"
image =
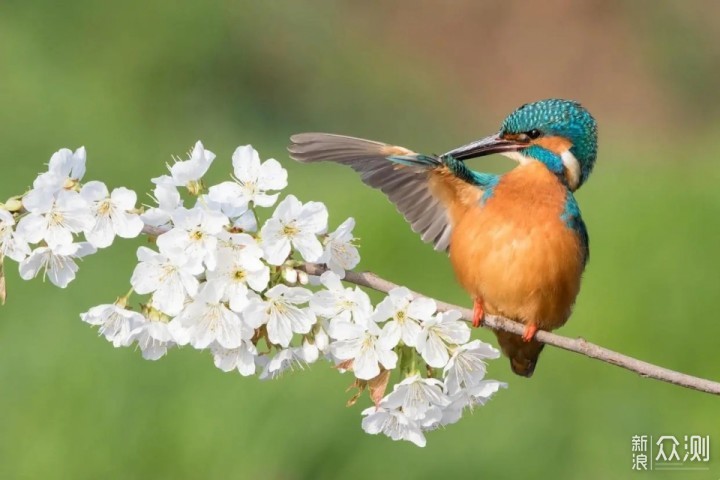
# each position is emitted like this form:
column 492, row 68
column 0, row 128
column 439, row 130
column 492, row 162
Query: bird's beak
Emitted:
column 486, row 146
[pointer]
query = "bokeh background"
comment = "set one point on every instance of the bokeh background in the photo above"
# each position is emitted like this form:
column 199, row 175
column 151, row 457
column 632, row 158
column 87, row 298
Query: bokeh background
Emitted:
column 137, row 81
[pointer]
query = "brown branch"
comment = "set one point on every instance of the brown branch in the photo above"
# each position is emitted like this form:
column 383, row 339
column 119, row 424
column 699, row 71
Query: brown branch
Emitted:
column 495, row 322
column 153, row 232
column 577, row 345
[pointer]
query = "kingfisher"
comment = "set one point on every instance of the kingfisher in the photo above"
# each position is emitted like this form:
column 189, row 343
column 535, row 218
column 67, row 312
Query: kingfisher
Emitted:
column 517, row 241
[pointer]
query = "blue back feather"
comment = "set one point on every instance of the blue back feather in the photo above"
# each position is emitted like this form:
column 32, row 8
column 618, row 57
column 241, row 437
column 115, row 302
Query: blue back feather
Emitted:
column 573, row 219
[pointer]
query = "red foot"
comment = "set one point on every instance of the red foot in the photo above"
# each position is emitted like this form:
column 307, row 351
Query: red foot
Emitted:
column 529, row 332
column 478, row 313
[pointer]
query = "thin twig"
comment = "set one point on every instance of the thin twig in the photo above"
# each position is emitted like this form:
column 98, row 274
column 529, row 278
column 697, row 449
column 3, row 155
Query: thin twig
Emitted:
column 577, row 345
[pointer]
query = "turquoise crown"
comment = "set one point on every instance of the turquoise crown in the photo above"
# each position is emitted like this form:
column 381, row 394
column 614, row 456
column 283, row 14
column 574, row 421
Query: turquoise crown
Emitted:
column 557, row 117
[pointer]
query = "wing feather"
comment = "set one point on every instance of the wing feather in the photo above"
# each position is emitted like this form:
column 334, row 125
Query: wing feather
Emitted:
column 406, row 186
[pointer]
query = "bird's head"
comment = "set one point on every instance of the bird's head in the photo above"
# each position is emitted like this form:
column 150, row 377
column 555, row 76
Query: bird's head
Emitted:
column 559, row 133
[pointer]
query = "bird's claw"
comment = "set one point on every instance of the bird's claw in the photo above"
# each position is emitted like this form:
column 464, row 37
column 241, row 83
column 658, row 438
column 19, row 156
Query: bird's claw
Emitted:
column 529, row 332
column 478, row 313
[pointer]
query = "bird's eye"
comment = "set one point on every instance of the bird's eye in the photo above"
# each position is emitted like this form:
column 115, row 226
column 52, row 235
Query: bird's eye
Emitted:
column 533, row 134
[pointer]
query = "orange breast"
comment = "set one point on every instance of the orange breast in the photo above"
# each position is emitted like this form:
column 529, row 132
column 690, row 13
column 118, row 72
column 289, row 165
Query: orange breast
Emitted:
column 516, row 253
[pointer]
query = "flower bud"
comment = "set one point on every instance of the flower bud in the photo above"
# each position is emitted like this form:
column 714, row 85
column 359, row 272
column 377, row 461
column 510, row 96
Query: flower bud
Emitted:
column 310, row 351
column 14, row 204
column 322, row 341
column 302, row 277
column 290, row 275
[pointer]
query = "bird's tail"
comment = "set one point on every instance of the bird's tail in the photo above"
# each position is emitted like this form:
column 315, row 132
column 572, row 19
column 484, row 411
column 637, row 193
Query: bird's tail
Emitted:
column 523, row 355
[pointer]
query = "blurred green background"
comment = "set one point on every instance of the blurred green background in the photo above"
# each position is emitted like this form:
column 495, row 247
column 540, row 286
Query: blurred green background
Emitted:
column 138, row 81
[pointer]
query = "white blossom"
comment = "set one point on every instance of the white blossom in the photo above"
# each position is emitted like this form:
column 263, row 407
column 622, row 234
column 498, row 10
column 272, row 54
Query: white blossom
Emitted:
column 281, row 313
column 153, row 337
column 405, row 315
column 479, row 394
column 239, row 266
column 247, row 222
column 217, row 284
column 68, row 164
column 253, row 179
column 340, row 253
column 340, row 302
column 170, row 278
column 232, row 206
column 437, row 333
column 12, row 244
column 257, row 178
column 195, row 232
column 54, row 217
column 57, row 263
column 467, row 366
column 393, row 423
column 364, row 345
column 241, row 358
column 167, row 196
column 116, row 323
column 294, row 225
column 65, row 167
column 193, row 169
column 206, row 320
column 416, row 396
column 287, row 358
column 112, row 212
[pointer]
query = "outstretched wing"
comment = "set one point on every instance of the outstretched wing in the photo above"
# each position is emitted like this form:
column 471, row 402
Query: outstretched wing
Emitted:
column 406, row 183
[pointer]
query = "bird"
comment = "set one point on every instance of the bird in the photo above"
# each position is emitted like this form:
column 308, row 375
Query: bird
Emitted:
column 517, row 241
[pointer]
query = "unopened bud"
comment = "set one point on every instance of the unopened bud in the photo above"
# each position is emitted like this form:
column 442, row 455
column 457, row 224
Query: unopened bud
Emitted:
column 322, row 341
column 289, row 274
column 310, row 351
column 14, row 204
column 302, row 277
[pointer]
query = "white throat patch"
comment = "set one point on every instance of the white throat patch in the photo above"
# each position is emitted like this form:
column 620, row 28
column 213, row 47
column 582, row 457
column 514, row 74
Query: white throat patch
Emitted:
column 572, row 169
column 518, row 157
column 571, row 164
